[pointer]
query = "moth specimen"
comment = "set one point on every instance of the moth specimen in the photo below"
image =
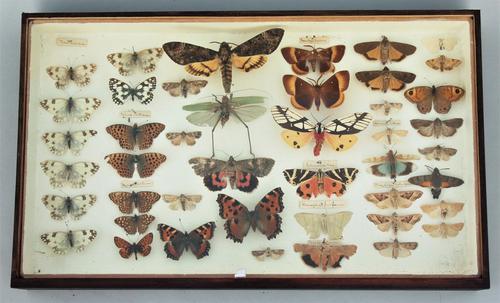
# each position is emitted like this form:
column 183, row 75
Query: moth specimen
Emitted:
column 63, row 75
column 131, row 136
column 74, row 207
column 329, row 92
column 390, row 135
column 386, row 107
column 394, row 198
column 443, row 230
column 61, row 242
column 144, row 60
column 438, row 152
column 188, row 137
column 274, row 254
column 249, row 55
column 392, row 164
column 329, row 224
column 385, row 50
column 437, row 127
column 319, row 57
column 68, row 174
column 59, row 142
column 324, row 255
column 71, row 109
column 241, row 174
column 125, row 164
column 121, row 91
column 142, row 200
column 385, row 79
column 126, row 249
column 436, row 182
column 135, row 224
column 443, row 209
column 196, row 241
column 183, row 202
column 265, row 216
column 436, row 44
column 394, row 222
column 313, row 183
column 441, row 96
column 443, row 63
column 184, row 88
column 338, row 133
column 395, row 249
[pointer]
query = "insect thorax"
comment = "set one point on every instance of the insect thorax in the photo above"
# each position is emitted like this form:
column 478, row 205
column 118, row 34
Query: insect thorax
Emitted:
column 135, row 198
column 71, row 73
column 67, row 204
column 224, row 52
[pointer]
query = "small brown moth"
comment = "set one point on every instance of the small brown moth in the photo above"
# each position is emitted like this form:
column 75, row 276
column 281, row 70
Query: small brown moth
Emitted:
column 395, row 249
column 443, row 63
column 438, row 152
column 384, row 50
column 437, row 127
column 385, row 79
column 394, row 222
column 443, row 230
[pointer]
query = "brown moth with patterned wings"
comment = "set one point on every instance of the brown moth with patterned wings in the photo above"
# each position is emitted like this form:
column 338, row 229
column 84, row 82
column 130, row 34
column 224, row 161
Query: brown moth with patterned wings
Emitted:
column 438, row 152
column 385, row 79
column 184, row 88
column 324, row 254
column 182, row 201
column 131, row 136
column 262, row 254
column 178, row 137
column 443, row 63
column 395, row 249
column 142, row 200
column 125, row 164
column 394, row 198
column 437, row 127
column 442, row 209
column 385, row 50
column 249, row 55
column 443, row 230
column 394, row 222
column 322, row 57
column 386, row 107
column 135, row 224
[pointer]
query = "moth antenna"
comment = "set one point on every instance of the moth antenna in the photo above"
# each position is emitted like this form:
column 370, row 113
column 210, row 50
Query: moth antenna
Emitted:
column 308, row 45
column 231, row 43
column 215, row 42
column 314, row 82
column 317, row 81
column 429, row 168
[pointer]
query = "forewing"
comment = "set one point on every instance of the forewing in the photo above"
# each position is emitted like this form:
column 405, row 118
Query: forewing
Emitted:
column 123, row 163
column 445, row 95
column 146, row 200
column 424, row 127
column 236, row 215
column 173, row 88
column 185, row 53
column 60, row 74
column 175, row 241
column 57, row 241
column 291, row 120
column 194, row 87
column 80, row 205
column 263, row 44
column 56, row 142
column 124, row 134
column 349, row 125
column 123, row 200
column 148, row 58
column 332, row 90
column 123, row 62
column 268, row 220
column 302, row 94
column 198, row 239
column 125, row 248
column 144, row 91
column 449, row 127
column 82, row 238
column 82, row 73
column 56, row 205
column 371, row 50
column 260, row 167
column 146, row 133
column 311, row 223
column 422, row 96
column 148, row 163
column 249, row 113
column 120, row 90
column 335, row 224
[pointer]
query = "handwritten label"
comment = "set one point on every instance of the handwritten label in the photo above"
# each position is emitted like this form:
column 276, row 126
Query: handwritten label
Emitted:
column 65, row 41
column 316, row 204
column 137, row 183
column 390, row 184
column 135, row 113
column 386, row 122
column 313, row 39
column 320, row 164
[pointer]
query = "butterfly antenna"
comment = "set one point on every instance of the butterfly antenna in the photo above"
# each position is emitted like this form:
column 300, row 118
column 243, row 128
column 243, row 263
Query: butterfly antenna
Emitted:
column 429, row 168
column 308, row 45
column 314, row 82
column 215, row 42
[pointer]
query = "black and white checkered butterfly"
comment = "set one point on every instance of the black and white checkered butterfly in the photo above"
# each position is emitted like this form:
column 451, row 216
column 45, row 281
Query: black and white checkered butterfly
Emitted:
column 59, row 142
column 74, row 207
column 121, row 91
column 72, row 175
column 72, row 109
column 61, row 242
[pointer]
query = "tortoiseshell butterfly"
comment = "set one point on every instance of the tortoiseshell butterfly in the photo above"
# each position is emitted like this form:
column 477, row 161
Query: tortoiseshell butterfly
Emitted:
column 177, row 242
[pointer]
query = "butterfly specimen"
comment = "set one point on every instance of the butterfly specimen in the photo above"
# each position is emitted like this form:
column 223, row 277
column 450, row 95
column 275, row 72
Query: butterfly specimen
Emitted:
column 438, row 152
column 245, row 109
column 143, row 247
column 144, row 60
column 249, row 55
column 385, row 50
column 74, row 207
column 130, row 136
column 142, row 200
column 72, row 109
column 330, row 224
column 390, row 135
column 61, row 242
column 435, row 44
column 394, row 198
column 385, row 79
column 63, row 75
column 442, row 97
column 443, row 63
column 121, row 91
column 442, row 209
column 322, row 57
column 265, row 216
column 436, row 181
column 177, row 242
column 135, row 224
column 394, row 222
column 242, row 174
column 324, row 255
column 184, row 202
column 274, row 254
column 188, row 137
column 59, row 143
column 73, row 175
column 313, row 183
column 329, row 92
column 386, row 107
column 339, row 133
column 443, row 230
column 395, row 249
column 184, row 88
column 392, row 164
column 437, row 127
column 125, row 163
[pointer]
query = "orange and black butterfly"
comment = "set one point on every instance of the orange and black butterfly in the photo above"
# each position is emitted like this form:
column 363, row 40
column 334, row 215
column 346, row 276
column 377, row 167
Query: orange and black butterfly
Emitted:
column 322, row 57
column 131, row 136
column 441, row 96
column 384, row 50
column 177, row 242
column 436, row 181
column 314, row 183
column 142, row 200
column 329, row 92
column 265, row 216
column 135, row 224
column 249, row 55
column 143, row 247
column 385, row 79
column 125, row 163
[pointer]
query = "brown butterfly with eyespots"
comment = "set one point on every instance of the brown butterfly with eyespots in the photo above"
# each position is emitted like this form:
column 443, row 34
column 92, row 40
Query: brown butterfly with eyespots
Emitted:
column 130, row 136
column 135, row 224
column 142, row 201
column 441, row 96
column 385, row 79
column 385, row 50
column 322, row 57
column 125, row 163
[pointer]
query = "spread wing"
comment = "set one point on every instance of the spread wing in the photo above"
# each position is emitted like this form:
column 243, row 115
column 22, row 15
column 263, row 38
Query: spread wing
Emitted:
column 199, row 61
column 291, row 120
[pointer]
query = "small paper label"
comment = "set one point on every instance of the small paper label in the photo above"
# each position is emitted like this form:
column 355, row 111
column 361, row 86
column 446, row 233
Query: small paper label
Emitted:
column 65, row 41
column 240, row 273
column 390, row 184
column 137, row 183
column 313, row 39
column 386, row 122
column 136, row 113
column 316, row 204
column 320, row 164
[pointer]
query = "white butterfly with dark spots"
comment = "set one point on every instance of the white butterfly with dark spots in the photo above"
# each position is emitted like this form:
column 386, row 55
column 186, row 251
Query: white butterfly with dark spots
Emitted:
column 61, row 207
column 144, row 60
column 69, row 110
column 61, row 242
column 64, row 75
column 59, row 143
column 121, row 91
column 72, row 175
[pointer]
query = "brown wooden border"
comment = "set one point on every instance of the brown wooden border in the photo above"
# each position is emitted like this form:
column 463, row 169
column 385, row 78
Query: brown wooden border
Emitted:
column 479, row 281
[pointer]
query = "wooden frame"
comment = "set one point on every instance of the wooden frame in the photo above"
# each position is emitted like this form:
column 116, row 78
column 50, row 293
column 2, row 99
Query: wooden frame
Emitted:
column 407, row 281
